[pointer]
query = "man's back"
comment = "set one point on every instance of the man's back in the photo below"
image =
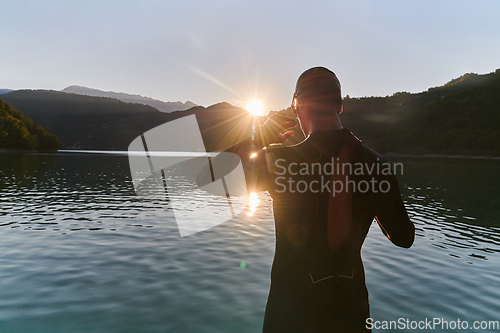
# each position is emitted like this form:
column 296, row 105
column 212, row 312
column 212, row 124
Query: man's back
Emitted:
column 317, row 279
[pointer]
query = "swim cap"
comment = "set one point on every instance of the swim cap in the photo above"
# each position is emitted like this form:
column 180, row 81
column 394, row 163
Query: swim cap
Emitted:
column 318, row 85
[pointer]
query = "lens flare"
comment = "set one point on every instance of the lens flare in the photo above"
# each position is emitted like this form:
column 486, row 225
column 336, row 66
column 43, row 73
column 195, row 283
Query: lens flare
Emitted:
column 255, row 107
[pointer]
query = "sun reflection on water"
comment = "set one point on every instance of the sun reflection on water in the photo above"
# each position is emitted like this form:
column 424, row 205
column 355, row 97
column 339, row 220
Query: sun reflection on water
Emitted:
column 253, row 202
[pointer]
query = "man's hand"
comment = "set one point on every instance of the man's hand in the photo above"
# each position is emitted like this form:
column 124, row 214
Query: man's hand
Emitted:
column 274, row 129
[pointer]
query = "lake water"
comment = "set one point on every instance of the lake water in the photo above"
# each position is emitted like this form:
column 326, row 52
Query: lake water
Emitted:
column 80, row 252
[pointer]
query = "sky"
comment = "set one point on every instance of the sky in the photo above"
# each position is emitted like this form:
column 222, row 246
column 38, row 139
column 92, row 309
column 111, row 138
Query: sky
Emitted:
column 238, row 50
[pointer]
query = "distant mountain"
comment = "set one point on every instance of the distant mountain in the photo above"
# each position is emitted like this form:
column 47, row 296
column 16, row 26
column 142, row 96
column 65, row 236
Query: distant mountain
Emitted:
column 84, row 122
column 160, row 105
column 20, row 132
column 4, row 91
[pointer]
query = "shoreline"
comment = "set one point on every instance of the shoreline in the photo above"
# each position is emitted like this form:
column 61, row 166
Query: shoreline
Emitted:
column 27, row 151
column 119, row 152
column 456, row 156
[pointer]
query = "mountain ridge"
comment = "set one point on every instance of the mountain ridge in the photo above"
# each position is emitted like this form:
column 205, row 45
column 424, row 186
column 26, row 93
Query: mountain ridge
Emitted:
column 4, row 91
column 130, row 98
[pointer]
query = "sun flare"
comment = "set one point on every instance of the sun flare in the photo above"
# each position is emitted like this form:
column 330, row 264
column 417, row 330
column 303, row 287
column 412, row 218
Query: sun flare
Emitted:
column 255, row 107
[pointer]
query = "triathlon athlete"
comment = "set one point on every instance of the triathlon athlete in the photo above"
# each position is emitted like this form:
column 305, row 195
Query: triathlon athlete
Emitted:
column 326, row 192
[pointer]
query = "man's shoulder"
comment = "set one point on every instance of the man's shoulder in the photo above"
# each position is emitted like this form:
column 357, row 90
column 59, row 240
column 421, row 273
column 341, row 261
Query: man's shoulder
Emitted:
column 372, row 155
column 364, row 152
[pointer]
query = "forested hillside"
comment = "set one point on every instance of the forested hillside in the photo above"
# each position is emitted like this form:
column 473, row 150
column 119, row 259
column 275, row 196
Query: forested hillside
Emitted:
column 460, row 117
column 84, row 122
column 20, row 132
column 466, row 121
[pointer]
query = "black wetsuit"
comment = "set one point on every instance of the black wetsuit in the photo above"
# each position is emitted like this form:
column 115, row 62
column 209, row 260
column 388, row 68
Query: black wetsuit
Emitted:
column 315, row 288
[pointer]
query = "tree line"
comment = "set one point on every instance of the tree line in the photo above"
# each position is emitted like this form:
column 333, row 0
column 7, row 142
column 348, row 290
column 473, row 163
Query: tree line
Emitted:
column 20, row 132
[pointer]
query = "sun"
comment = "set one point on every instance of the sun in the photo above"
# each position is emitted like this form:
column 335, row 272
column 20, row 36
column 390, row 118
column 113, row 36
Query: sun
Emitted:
column 255, row 107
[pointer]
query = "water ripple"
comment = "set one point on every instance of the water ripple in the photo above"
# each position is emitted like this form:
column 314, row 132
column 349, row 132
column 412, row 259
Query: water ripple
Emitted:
column 81, row 252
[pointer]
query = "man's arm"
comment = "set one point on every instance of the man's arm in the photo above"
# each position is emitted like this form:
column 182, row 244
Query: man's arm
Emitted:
column 392, row 217
column 246, row 148
column 255, row 168
column 269, row 133
column 390, row 212
column 252, row 154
